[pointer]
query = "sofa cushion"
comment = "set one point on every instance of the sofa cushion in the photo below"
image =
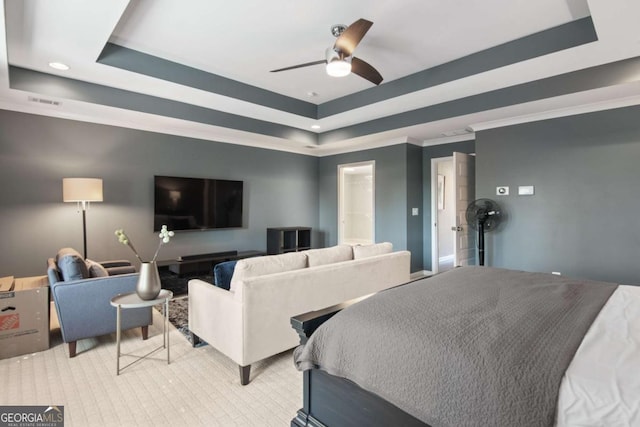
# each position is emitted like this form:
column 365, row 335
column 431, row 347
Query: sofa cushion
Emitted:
column 330, row 255
column 96, row 269
column 71, row 265
column 260, row 266
column 222, row 274
column 365, row 251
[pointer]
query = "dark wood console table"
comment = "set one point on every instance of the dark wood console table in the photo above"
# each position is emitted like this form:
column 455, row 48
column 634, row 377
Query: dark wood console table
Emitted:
column 194, row 264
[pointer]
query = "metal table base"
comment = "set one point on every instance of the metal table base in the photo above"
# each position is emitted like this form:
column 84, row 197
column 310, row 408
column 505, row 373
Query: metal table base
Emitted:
column 132, row 300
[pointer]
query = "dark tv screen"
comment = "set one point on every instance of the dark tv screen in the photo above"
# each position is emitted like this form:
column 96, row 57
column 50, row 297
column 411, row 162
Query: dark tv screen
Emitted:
column 196, row 203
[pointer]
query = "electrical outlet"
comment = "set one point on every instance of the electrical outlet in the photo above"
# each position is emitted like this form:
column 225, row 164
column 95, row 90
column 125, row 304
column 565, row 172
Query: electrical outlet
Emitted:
column 415, row 211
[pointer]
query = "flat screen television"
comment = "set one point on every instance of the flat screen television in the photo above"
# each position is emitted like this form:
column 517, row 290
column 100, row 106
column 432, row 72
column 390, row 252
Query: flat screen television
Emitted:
column 196, row 203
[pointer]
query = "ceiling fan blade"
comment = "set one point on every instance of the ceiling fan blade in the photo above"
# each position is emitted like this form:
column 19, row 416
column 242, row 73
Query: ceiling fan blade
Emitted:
column 350, row 38
column 293, row 67
column 366, row 71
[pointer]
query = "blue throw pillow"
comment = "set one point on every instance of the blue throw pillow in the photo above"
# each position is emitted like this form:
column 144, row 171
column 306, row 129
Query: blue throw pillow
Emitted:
column 71, row 265
column 222, row 274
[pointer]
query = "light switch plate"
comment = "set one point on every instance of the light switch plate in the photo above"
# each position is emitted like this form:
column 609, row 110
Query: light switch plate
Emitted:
column 525, row 190
column 414, row 211
column 502, row 191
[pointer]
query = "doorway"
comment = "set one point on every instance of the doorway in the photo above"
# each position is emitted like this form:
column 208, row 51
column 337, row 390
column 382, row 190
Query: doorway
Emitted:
column 452, row 188
column 356, row 201
column 443, row 214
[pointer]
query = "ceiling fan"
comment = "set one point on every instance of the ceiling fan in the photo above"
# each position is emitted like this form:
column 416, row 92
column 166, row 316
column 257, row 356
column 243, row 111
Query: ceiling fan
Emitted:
column 339, row 58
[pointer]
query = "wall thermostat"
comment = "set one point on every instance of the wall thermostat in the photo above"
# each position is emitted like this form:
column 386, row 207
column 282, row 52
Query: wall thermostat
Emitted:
column 502, row 191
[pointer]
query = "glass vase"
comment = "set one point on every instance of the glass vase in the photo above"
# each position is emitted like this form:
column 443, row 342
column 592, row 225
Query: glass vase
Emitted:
column 149, row 284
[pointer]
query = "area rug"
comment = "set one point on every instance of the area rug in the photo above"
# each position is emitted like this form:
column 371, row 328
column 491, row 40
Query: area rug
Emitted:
column 177, row 284
column 179, row 317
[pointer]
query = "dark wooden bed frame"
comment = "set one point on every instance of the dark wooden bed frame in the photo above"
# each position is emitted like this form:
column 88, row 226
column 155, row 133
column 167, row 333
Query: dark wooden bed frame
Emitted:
column 330, row 401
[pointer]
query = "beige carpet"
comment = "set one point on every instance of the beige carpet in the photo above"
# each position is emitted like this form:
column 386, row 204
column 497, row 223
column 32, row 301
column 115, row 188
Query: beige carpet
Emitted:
column 199, row 387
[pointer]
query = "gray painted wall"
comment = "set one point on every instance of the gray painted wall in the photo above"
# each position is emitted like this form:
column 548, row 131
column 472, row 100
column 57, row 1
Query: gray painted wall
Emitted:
column 393, row 196
column 582, row 220
column 428, row 153
column 36, row 152
column 415, row 234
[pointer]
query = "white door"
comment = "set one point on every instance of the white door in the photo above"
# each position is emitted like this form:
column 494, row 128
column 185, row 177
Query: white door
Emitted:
column 464, row 183
column 356, row 190
column 442, row 213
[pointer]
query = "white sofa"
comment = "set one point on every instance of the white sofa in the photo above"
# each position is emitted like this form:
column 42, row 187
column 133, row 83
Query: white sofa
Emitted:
column 251, row 321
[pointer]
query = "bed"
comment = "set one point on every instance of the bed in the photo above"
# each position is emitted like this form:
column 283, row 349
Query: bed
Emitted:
column 475, row 346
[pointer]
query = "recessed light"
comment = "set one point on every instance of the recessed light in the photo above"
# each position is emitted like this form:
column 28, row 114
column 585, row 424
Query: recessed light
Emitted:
column 315, row 126
column 58, row 66
column 312, row 94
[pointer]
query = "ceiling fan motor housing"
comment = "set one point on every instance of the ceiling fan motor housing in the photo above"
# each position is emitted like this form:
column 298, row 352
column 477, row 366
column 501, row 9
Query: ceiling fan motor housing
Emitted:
column 338, row 29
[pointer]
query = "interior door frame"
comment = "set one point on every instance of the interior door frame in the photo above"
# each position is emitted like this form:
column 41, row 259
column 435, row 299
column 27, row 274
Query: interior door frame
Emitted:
column 371, row 163
column 435, row 250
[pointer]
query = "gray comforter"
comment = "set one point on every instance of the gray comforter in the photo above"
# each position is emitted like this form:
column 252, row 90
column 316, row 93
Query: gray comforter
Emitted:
column 475, row 346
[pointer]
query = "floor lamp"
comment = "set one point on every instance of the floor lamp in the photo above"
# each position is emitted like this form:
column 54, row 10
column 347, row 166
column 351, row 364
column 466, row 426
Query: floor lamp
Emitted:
column 82, row 191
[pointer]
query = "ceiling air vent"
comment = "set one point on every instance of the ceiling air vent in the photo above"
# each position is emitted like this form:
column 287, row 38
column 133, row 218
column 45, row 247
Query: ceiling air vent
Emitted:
column 44, row 101
column 457, row 132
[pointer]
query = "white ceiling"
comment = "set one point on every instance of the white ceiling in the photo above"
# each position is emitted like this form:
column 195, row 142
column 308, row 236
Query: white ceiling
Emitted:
column 244, row 40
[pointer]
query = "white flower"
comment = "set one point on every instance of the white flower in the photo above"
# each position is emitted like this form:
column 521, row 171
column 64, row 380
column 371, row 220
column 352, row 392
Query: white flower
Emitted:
column 122, row 238
column 165, row 234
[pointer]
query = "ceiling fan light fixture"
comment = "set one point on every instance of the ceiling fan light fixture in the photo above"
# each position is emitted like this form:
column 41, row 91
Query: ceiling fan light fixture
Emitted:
column 339, row 68
column 338, row 64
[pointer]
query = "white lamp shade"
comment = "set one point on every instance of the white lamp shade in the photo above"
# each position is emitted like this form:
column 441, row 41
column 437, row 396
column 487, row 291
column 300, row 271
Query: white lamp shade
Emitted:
column 81, row 189
column 339, row 68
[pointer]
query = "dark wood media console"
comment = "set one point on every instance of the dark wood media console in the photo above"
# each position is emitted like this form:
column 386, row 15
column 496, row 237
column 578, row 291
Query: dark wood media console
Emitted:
column 194, row 264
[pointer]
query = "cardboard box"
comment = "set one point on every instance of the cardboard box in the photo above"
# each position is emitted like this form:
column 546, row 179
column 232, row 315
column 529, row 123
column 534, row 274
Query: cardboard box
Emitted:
column 6, row 284
column 24, row 316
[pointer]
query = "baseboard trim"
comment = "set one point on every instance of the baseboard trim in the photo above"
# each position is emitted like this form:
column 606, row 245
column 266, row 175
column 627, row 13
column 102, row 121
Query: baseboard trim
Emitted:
column 422, row 273
column 447, row 258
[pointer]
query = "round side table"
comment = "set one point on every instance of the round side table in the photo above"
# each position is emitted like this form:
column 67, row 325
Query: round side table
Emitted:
column 132, row 300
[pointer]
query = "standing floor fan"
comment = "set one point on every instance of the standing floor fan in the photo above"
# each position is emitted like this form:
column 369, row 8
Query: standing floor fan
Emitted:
column 483, row 215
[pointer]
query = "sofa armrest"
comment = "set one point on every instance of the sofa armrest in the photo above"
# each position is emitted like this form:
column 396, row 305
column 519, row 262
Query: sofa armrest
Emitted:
column 118, row 266
column 115, row 263
column 116, row 271
column 215, row 315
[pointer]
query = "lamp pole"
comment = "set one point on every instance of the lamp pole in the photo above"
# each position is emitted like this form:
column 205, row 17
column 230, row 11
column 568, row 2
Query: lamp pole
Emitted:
column 84, row 228
column 85, row 191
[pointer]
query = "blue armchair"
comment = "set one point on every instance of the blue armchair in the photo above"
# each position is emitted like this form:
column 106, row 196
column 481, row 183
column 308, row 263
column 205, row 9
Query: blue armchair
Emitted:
column 83, row 302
